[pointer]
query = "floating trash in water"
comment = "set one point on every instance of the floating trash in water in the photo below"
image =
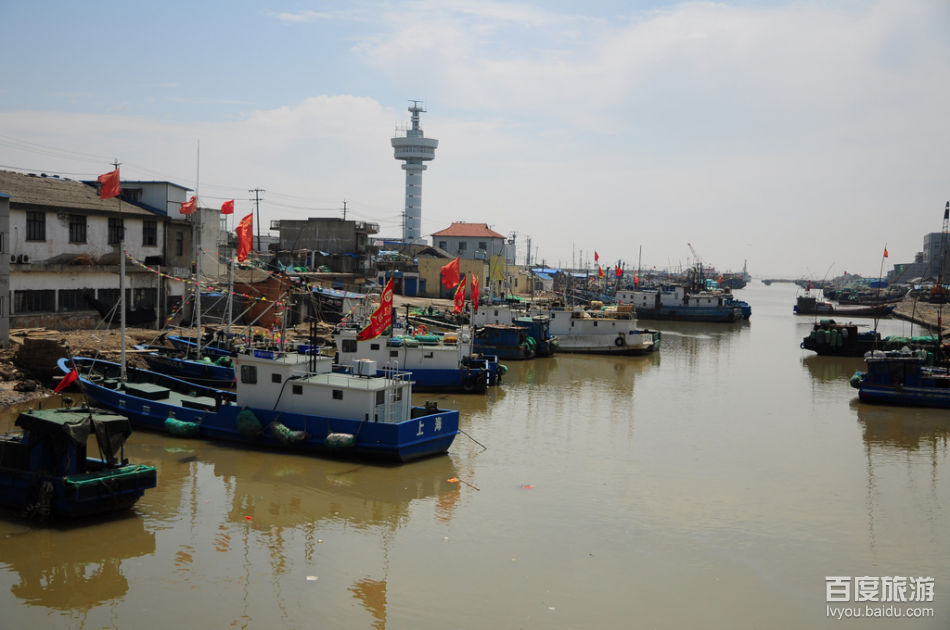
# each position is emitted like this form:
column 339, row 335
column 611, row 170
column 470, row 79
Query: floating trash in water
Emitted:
column 527, row 486
column 312, row 578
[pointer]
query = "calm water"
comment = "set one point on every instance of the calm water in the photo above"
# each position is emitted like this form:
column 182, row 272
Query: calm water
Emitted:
column 715, row 484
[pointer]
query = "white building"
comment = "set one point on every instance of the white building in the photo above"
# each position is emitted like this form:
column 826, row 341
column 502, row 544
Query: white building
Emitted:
column 64, row 246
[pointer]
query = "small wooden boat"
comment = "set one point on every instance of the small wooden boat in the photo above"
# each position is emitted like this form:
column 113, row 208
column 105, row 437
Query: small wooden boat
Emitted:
column 45, row 471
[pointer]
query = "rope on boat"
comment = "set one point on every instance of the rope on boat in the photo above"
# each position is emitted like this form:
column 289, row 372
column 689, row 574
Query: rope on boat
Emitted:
column 484, row 448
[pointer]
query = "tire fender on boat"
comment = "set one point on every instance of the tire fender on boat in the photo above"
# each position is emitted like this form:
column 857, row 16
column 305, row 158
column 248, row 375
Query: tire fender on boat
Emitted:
column 619, row 341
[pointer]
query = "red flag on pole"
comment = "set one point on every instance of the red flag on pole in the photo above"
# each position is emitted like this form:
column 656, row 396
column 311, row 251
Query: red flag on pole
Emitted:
column 475, row 290
column 382, row 317
column 885, row 251
column 619, row 271
column 636, row 281
column 189, row 206
column 65, row 382
column 227, row 207
column 600, row 272
column 109, row 185
column 596, row 256
column 450, row 274
column 245, row 236
column 459, row 297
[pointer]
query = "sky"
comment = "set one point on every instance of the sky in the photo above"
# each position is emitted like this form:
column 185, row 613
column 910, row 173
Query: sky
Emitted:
column 801, row 138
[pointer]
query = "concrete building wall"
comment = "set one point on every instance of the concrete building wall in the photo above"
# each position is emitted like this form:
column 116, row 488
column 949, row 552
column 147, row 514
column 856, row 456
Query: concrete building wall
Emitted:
column 4, row 270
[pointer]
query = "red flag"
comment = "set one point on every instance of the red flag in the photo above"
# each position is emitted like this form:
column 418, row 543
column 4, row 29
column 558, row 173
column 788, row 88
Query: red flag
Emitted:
column 227, row 207
column 596, row 256
column 382, row 317
column 600, row 272
column 245, row 236
column 109, row 185
column 475, row 290
column 69, row 378
column 459, row 297
column 189, row 206
column 885, row 252
column 450, row 274
column 636, row 281
column 619, row 271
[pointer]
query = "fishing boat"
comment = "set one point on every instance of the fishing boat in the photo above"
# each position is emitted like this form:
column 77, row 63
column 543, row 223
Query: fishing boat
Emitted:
column 675, row 303
column 903, row 377
column 538, row 325
column 284, row 401
column 46, row 472
column 437, row 362
column 810, row 305
column 507, row 341
column 831, row 338
column 595, row 331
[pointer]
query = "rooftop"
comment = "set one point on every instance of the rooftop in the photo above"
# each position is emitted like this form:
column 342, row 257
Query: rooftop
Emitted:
column 59, row 192
column 470, row 230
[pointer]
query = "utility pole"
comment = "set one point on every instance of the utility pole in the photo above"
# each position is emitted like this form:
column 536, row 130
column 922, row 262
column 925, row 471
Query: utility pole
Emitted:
column 344, row 209
column 257, row 210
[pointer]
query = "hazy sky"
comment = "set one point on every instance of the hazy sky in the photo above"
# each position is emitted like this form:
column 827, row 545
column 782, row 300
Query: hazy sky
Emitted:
column 799, row 136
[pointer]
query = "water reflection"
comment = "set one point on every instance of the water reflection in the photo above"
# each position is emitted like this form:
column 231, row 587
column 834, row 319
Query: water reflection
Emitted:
column 76, row 568
column 576, row 369
column 827, row 369
column 291, row 491
column 904, row 428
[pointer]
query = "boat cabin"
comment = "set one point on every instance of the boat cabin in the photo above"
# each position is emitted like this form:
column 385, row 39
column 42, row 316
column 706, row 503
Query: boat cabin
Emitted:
column 301, row 383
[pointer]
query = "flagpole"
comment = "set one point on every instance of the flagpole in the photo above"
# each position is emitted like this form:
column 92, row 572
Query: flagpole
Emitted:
column 195, row 238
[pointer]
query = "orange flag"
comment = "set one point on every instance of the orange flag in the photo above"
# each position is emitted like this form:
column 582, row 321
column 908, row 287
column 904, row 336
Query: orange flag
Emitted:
column 475, row 290
column 227, row 207
column 109, row 185
column 459, row 297
column 600, row 272
column 245, row 236
column 189, row 206
column 450, row 274
column 382, row 317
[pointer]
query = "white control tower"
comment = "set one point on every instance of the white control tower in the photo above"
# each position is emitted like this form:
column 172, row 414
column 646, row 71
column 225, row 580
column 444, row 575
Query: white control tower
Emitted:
column 413, row 149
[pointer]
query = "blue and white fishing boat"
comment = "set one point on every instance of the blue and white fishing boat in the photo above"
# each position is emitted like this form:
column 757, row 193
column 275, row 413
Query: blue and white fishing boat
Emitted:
column 676, row 303
column 286, row 401
column 46, row 472
column 436, row 362
column 903, row 377
column 217, row 372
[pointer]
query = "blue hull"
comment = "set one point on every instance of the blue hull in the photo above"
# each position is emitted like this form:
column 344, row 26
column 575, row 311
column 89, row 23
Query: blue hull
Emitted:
column 429, row 433
column 905, row 396
column 188, row 344
column 117, row 492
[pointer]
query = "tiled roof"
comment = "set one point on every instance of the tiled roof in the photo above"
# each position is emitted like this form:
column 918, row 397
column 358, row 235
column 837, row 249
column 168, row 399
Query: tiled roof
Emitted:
column 460, row 229
column 57, row 192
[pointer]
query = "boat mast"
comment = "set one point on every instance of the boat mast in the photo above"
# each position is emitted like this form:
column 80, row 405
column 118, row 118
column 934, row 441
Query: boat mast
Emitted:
column 195, row 238
column 118, row 199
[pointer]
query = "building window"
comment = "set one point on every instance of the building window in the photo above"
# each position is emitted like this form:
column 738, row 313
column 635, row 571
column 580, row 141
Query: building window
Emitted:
column 116, row 230
column 77, row 228
column 35, row 226
column 249, row 374
column 482, row 245
column 144, row 298
column 442, row 244
column 72, row 300
column 149, row 232
column 43, row 301
column 463, row 246
column 179, row 243
column 337, row 394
